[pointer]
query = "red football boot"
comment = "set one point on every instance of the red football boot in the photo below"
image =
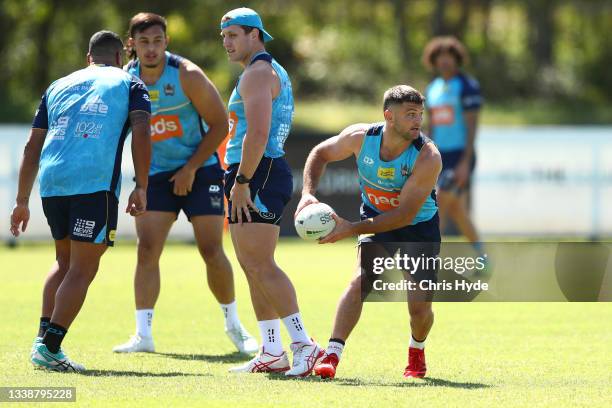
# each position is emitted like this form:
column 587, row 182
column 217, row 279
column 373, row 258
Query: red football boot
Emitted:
column 326, row 368
column 416, row 363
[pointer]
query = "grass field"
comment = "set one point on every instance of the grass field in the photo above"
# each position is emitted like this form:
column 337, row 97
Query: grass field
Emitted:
column 479, row 354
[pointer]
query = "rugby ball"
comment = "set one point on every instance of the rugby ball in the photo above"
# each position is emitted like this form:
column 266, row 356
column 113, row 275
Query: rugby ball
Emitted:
column 314, row 221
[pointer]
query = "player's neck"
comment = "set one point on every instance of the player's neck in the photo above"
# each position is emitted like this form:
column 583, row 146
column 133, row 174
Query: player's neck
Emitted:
column 392, row 144
column 245, row 62
column 150, row 75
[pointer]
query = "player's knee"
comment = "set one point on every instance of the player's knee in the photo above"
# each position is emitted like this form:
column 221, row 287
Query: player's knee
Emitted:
column 258, row 270
column 148, row 251
column 211, row 252
column 421, row 313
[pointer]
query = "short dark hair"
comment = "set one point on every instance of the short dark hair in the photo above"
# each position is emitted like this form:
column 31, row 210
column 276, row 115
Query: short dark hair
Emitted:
column 142, row 21
column 402, row 93
column 438, row 45
column 248, row 29
column 105, row 43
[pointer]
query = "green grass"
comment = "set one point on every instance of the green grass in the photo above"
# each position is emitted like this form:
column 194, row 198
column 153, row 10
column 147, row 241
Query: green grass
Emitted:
column 479, row 354
column 331, row 116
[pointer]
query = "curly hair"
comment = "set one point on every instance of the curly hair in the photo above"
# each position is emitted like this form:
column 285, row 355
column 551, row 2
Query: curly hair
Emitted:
column 438, row 45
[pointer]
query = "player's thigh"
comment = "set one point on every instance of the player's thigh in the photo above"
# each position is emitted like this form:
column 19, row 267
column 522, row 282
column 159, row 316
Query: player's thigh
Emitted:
column 62, row 253
column 152, row 229
column 208, row 232
column 255, row 242
column 85, row 257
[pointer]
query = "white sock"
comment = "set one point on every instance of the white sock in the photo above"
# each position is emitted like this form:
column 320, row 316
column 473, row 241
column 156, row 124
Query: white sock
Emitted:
column 417, row 344
column 333, row 347
column 271, row 336
column 296, row 328
column 144, row 320
column 231, row 315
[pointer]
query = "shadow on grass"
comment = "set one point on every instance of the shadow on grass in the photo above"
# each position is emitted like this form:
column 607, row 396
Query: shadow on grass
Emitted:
column 359, row 382
column 234, row 357
column 116, row 373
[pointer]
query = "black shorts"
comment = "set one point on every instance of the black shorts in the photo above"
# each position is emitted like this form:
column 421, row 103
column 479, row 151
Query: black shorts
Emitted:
column 85, row 217
column 271, row 188
column 205, row 197
column 426, row 231
column 450, row 160
column 418, row 240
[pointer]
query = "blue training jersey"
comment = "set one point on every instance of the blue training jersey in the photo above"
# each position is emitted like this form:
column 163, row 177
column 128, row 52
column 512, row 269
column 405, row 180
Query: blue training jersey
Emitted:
column 447, row 101
column 381, row 182
column 280, row 125
column 176, row 126
column 86, row 114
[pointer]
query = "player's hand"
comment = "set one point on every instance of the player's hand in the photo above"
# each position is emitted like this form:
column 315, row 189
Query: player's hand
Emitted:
column 19, row 218
column 240, row 196
column 137, row 202
column 462, row 173
column 343, row 229
column 306, row 199
column 183, row 181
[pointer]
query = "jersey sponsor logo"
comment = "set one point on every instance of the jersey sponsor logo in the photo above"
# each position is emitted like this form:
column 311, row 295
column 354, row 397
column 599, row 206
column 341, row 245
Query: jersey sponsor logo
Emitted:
column 165, row 127
column 368, row 160
column 405, row 170
column 88, row 129
column 233, row 124
column 442, row 115
column 214, row 189
column 95, row 106
column 57, row 130
column 387, row 173
column 83, row 228
column 154, row 95
column 382, row 200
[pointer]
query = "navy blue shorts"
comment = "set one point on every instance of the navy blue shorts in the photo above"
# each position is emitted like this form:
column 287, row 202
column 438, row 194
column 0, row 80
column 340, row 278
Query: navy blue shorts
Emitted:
column 85, row 217
column 426, row 231
column 424, row 236
column 450, row 160
column 271, row 188
column 205, row 198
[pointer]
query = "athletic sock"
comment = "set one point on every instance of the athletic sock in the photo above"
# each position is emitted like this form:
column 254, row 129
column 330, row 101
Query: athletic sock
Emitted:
column 53, row 337
column 335, row 346
column 43, row 326
column 271, row 336
column 417, row 344
column 296, row 329
column 144, row 321
column 230, row 312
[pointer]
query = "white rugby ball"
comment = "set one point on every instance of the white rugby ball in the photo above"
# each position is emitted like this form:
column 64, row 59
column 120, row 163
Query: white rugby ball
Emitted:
column 314, row 221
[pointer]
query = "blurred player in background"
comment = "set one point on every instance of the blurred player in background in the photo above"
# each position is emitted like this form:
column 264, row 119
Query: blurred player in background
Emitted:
column 187, row 125
column 453, row 104
column 258, row 185
column 80, row 126
column 398, row 169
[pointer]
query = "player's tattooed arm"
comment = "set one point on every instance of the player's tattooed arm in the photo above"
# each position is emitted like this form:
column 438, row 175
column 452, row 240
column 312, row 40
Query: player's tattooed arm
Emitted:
column 141, row 145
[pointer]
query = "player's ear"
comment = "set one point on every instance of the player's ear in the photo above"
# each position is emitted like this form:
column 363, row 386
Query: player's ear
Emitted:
column 167, row 40
column 388, row 115
column 89, row 60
